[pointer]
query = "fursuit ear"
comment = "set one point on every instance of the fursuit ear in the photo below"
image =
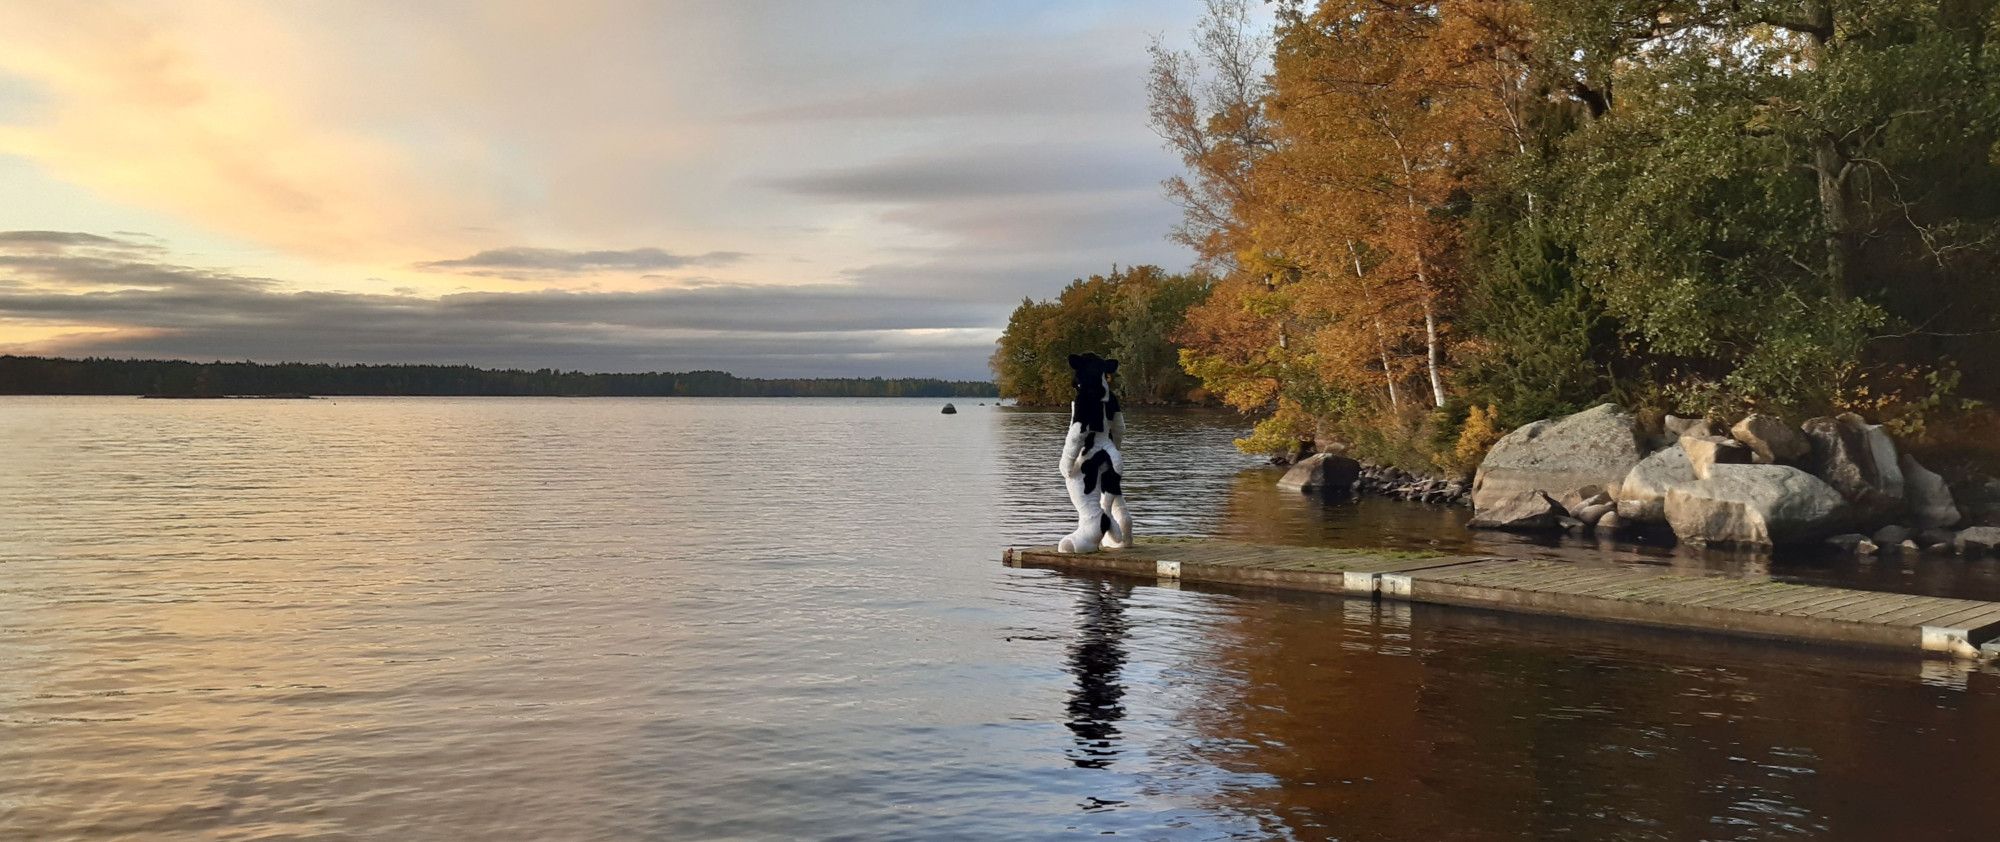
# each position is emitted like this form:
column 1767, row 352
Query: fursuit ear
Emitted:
column 1110, row 366
column 1076, row 361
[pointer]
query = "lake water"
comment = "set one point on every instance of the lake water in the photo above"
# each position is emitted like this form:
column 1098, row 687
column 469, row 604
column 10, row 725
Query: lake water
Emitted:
column 752, row 619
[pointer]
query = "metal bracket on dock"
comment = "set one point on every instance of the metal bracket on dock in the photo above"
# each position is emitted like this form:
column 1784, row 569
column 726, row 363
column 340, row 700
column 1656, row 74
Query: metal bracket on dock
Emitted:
column 1950, row 641
column 1167, row 569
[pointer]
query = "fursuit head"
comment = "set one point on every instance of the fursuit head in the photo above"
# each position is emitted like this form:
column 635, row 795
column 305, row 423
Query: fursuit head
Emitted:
column 1091, row 466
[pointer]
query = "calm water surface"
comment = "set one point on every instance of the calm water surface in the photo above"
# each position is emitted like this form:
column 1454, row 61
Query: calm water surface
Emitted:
column 746, row 619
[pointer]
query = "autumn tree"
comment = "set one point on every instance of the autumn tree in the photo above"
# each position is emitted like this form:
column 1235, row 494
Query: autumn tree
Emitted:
column 1131, row 315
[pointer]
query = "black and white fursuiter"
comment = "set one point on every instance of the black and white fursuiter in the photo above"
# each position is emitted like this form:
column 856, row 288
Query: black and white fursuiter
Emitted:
column 1091, row 466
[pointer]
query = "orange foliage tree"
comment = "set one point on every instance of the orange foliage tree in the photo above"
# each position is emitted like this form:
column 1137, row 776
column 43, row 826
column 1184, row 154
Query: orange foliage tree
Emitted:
column 1344, row 233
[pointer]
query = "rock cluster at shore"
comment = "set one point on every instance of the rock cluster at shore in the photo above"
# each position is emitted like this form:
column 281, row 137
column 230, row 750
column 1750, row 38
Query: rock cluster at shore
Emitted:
column 1765, row 483
column 1384, row 481
column 1334, row 475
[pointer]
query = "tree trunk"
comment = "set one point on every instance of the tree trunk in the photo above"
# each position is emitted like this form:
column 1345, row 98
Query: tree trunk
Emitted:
column 1381, row 342
column 1423, row 275
column 1431, row 345
column 1831, row 166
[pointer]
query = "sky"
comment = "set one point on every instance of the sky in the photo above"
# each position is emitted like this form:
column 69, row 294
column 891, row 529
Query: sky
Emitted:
column 768, row 188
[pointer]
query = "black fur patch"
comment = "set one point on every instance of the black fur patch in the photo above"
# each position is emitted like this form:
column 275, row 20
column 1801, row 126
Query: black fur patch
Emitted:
column 1092, row 405
column 1104, row 523
column 1111, row 481
column 1098, row 463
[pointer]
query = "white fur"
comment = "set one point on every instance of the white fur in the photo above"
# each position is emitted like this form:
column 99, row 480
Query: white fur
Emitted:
column 1090, row 535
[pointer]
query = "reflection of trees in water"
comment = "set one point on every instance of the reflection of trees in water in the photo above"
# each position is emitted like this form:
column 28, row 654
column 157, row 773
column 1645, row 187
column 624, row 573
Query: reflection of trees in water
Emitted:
column 1097, row 659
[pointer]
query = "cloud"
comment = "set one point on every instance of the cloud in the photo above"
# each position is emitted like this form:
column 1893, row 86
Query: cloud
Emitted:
column 53, row 239
column 138, row 307
column 1036, row 83
column 981, row 171
column 341, row 167
column 523, row 261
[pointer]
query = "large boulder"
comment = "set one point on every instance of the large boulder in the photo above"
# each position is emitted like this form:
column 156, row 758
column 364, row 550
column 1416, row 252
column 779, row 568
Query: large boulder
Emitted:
column 1597, row 446
column 1323, row 473
column 1859, row 460
column 1705, row 451
column 1525, row 512
column 1642, row 497
column 1756, row 505
column 1773, row 441
column 1927, row 496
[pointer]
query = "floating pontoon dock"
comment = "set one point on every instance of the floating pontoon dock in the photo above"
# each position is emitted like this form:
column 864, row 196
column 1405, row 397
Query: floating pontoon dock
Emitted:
column 1620, row 593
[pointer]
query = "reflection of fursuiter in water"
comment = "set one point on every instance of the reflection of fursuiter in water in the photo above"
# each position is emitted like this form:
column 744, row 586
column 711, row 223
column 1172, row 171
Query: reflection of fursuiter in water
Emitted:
column 1090, row 461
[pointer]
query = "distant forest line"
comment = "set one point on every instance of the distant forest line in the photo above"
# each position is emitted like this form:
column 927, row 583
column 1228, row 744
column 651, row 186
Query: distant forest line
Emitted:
column 96, row 376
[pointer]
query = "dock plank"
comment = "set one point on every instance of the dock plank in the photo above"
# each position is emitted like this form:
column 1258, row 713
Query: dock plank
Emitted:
column 1625, row 593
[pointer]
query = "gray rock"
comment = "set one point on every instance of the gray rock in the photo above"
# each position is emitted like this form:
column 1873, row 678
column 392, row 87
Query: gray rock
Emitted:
column 1583, row 498
column 1672, row 427
column 1859, row 461
column 1909, row 547
column 1866, row 547
column 1926, row 495
column 1642, row 497
column 1771, row 440
column 1979, row 501
column 1755, row 505
column 1324, row 473
column 1597, row 446
column 1593, row 513
column 1704, row 451
column 1524, row 512
column 1976, row 540
column 1570, row 524
column 1849, row 542
column 1677, row 427
column 1891, row 534
column 1609, row 523
column 1936, row 537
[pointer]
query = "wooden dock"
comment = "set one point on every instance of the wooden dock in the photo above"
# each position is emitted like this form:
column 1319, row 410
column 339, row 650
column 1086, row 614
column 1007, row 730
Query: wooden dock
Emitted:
column 1621, row 593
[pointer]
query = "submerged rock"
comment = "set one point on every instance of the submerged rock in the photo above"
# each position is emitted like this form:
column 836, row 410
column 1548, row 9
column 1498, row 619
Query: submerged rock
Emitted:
column 1850, row 542
column 1524, row 512
column 1977, row 540
column 1595, row 447
column 1642, row 497
column 1326, row 473
column 1576, row 500
column 1593, row 513
column 1755, row 505
column 949, row 410
column 1890, row 535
